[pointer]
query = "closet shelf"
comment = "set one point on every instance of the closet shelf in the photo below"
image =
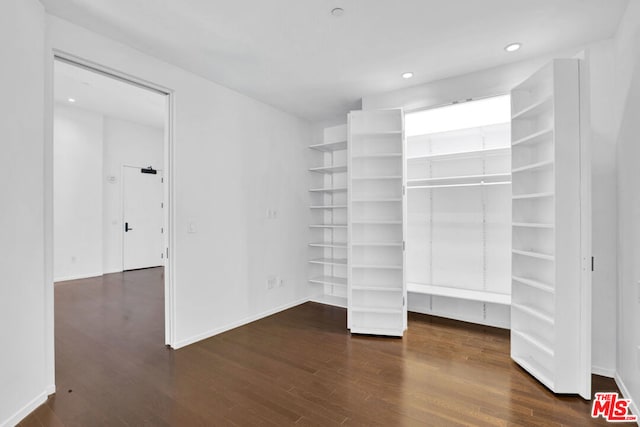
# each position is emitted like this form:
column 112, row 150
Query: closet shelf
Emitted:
column 330, row 300
column 532, row 196
column 418, row 181
column 382, row 310
column 328, row 226
column 535, row 109
column 377, row 288
column 533, row 138
column 535, row 313
column 328, row 261
column 533, row 341
column 376, row 266
column 329, row 207
column 377, row 133
column 329, row 280
column 533, row 166
column 467, row 294
column 534, row 284
column 382, row 200
column 474, row 184
column 330, row 146
column 328, row 190
column 334, row 245
column 463, row 154
column 375, row 222
column 393, row 244
column 376, row 178
column 534, row 255
column 329, row 169
column 376, row 156
column 532, row 225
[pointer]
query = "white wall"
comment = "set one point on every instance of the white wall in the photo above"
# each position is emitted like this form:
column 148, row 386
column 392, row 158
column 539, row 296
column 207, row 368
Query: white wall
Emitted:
column 24, row 379
column 604, row 207
column 627, row 92
column 125, row 143
column 234, row 158
column 78, row 209
column 498, row 81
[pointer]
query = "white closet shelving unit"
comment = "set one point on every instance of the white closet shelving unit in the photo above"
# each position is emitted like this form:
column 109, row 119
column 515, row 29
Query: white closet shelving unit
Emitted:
column 459, row 222
column 377, row 289
column 329, row 244
column 550, row 333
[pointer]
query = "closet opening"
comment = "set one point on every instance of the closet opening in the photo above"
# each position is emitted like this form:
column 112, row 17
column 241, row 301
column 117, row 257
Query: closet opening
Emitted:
column 458, row 178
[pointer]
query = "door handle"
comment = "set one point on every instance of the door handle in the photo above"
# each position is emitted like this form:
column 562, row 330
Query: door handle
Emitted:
column 126, row 227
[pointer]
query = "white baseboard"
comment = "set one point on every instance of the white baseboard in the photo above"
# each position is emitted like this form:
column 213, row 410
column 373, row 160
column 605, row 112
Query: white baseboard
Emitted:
column 604, row 372
column 209, row 334
column 77, row 277
column 51, row 389
column 330, row 300
column 625, row 392
column 459, row 318
column 25, row 410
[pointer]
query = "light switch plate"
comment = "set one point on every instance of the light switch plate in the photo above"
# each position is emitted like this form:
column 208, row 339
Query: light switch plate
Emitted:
column 191, row 227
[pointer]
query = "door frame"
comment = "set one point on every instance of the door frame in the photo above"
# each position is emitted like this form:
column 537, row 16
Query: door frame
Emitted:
column 168, row 194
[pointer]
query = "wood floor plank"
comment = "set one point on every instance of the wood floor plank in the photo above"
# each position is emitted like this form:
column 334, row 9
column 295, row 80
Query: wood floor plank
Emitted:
column 300, row 367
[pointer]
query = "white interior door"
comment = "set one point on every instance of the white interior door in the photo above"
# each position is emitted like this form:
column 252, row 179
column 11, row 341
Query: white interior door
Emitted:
column 142, row 218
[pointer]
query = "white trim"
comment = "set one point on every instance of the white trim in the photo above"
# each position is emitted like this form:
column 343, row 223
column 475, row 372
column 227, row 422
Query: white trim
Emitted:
column 169, row 190
column 625, row 393
column 77, row 277
column 51, row 389
column 603, row 372
column 246, row 320
column 25, row 410
column 484, row 322
column 322, row 299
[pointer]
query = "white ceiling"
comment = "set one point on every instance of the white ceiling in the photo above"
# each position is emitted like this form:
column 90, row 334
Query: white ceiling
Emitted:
column 294, row 55
column 108, row 96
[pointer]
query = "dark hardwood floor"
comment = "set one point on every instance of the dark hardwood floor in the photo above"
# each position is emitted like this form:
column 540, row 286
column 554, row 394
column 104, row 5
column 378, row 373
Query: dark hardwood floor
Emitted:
column 298, row 367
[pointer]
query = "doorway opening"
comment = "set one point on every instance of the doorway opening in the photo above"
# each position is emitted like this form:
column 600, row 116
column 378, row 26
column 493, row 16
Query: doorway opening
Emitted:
column 111, row 197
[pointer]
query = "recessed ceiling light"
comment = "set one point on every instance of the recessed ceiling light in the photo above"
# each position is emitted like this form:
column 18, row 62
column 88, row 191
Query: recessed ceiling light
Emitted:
column 338, row 11
column 71, row 100
column 513, row 47
column 407, row 75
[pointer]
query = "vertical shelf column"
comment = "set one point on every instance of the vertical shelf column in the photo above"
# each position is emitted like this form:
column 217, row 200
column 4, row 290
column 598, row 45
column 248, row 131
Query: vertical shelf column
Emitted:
column 328, row 196
column 548, row 332
column 377, row 289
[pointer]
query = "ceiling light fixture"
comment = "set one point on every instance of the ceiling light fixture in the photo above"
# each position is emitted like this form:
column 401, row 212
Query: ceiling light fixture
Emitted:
column 71, row 100
column 513, row 47
column 407, row 75
column 337, row 12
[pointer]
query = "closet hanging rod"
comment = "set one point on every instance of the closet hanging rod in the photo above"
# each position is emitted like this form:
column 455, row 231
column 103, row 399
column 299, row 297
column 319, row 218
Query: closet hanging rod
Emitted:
column 475, row 184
